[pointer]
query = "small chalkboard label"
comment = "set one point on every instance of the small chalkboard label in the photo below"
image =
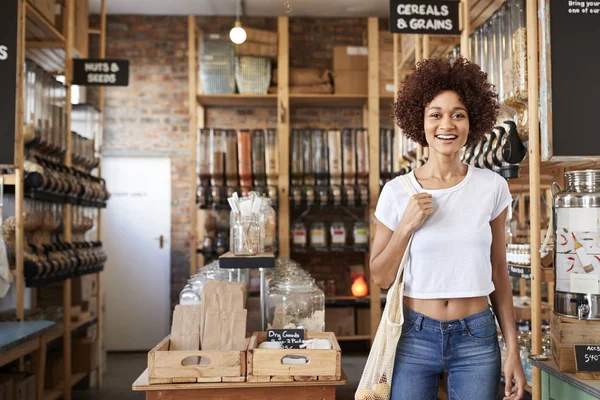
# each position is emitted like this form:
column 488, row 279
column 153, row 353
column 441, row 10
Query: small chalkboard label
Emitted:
column 587, row 357
column 289, row 338
column 100, row 72
column 439, row 17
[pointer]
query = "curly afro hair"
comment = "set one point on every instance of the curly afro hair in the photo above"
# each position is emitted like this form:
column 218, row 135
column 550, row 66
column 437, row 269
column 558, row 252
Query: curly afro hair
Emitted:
column 433, row 76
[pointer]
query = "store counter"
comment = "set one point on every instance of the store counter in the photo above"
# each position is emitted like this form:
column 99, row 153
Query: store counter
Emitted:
column 314, row 390
column 562, row 385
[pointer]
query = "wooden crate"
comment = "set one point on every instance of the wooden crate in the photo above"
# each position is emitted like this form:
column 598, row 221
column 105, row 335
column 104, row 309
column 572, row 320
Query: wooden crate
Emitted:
column 567, row 332
column 265, row 365
column 166, row 366
column 340, row 321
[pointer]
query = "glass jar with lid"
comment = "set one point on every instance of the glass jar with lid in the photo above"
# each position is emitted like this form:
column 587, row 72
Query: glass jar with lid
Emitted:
column 360, row 234
column 299, row 235
column 269, row 221
column 519, row 47
column 296, row 303
column 338, row 234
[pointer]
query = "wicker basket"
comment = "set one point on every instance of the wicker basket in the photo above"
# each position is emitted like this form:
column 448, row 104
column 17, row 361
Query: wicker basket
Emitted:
column 252, row 74
column 217, row 64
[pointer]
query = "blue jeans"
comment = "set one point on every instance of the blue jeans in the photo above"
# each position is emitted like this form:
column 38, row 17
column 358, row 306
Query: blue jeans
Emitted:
column 467, row 349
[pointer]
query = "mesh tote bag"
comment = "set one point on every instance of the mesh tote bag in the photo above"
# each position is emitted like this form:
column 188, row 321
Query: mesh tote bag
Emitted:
column 376, row 380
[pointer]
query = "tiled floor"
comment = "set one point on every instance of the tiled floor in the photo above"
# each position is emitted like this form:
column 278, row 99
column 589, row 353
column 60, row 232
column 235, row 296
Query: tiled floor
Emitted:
column 124, row 368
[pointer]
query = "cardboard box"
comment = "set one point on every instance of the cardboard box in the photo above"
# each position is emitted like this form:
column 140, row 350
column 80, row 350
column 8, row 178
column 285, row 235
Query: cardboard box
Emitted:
column 351, row 82
column 363, row 321
column 7, row 384
column 340, row 321
column 84, row 357
column 386, row 40
column 350, row 58
column 257, row 49
column 260, row 36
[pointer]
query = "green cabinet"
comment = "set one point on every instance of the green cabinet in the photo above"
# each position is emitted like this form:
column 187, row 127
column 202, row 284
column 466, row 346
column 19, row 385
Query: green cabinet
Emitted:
column 554, row 388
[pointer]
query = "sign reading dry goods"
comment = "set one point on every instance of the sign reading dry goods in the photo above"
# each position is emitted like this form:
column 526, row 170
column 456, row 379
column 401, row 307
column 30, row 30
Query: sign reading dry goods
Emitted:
column 439, row 17
column 8, row 79
column 101, row 72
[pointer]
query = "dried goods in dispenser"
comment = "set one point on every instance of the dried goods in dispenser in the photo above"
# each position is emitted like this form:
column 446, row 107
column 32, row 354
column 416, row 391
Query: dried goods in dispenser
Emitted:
column 203, row 156
column 507, row 51
column 296, row 157
column 299, row 235
column 245, row 158
column 338, row 234
column 349, row 156
column 258, row 158
column 318, row 235
column 360, row 233
column 497, row 52
column 362, row 156
column 334, row 141
column 217, row 157
column 320, row 154
column 385, row 136
column 309, row 162
column 271, row 157
column 231, row 160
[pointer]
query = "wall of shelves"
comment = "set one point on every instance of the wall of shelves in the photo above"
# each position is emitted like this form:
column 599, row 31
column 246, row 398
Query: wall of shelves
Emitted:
column 52, row 49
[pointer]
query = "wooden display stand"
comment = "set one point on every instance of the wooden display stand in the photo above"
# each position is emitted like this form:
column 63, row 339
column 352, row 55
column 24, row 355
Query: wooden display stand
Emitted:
column 166, row 366
column 52, row 47
column 567, row 332
column 266, row 365
column 315, row 390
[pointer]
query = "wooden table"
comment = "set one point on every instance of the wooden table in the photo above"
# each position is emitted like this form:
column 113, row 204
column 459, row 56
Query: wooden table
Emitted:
column 317, row 390
column 18, row 339
column 563, row 385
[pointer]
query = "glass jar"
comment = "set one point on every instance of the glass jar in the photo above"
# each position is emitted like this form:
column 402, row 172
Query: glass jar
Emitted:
column 519, row 46
column 334, row 143
column 361, row 234
column 362, row 156
column 231, row 161
column 271, row 157
column 299, row 235
column 479, row 48
column 269, row 221
column 497, row 52
column 507, row 50
column 246, row 236
column 258, row 158
column 308, row 161
column 318, row 235
column 296, row 155
column 296, row 303
column 203, row 154
column 244, row 147
column 487, row 44
column 319, row 144
column 349, row 156
column 217, row 157
column 338, row 234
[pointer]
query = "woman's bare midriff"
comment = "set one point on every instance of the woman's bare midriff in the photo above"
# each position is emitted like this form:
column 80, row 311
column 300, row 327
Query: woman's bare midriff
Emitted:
column 447, row 309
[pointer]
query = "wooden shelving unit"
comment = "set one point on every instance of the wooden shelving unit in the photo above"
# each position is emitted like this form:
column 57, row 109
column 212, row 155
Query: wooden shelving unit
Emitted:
column 40, row 41
column 237, row 100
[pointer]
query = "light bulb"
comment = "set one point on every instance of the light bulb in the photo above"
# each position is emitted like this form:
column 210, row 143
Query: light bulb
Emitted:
column 237, row 33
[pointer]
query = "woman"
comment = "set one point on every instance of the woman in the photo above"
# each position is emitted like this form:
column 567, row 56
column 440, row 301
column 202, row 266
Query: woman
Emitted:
column 458, row 254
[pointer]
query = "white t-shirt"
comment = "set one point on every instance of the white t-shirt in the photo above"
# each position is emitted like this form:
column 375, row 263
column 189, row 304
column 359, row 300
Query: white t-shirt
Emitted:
column 450, row 255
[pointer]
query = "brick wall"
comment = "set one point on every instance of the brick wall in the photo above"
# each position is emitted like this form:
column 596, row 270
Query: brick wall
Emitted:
column 150, row 116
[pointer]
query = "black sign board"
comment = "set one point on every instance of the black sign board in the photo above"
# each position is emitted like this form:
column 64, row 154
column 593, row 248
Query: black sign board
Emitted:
column 438, row 17
column 519, row 272
column 8, row 79
column 100, row 72
column 587, row 357
column 574, row 37
column 289, row 338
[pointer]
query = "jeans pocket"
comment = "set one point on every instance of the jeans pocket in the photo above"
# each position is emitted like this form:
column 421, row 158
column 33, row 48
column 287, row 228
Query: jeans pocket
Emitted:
column 483, row 333
column 408, row 327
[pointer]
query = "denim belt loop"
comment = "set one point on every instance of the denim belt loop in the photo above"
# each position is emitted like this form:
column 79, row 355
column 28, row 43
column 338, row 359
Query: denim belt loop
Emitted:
column 419, row 322
column 463, row 325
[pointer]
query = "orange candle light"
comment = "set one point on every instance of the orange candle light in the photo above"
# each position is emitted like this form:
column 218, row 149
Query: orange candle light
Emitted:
column 360, row 287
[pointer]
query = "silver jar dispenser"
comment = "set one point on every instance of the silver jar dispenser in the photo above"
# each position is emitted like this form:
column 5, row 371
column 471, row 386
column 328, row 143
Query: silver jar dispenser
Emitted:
column 577, row 245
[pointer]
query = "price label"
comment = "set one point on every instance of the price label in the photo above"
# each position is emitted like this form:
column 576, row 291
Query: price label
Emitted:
column 289, row 338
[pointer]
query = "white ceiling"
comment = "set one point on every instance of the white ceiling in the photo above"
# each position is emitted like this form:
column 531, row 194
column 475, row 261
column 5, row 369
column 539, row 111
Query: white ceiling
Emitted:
column 313, row 8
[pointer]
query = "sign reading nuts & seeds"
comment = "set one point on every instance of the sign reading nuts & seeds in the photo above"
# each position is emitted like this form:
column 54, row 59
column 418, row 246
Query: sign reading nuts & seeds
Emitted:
column 100, row 72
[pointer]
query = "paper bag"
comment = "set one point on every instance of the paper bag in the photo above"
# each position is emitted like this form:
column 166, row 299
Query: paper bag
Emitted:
column 185, row 330
column 227, row 330
column 221, row 296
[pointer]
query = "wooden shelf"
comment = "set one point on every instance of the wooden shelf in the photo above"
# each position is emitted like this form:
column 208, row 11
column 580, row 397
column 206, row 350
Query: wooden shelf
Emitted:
column 45, row 45
column 354, row 338
column 9, row 179
column 237, row 100
column 524, row 272
column 58, row 330
column 328, row 100
column 76, row 378
column 53, row 394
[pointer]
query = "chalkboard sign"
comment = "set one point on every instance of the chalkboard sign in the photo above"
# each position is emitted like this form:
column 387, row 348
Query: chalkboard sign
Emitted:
column 587, row 357
column 439, row 17
column 289, row 338
column 100, row 72
column 8, row 79
column 574, row 37
column 519, row 272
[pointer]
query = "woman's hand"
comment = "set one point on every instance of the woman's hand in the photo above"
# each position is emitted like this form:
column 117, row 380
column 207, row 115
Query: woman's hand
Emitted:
column 418, row 208
column 513, row 369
